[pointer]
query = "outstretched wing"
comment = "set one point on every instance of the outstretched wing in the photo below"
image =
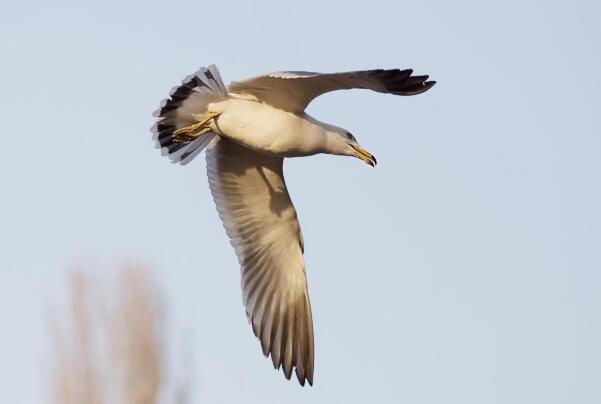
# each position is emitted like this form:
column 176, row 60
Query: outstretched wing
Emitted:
column 258, row 215
column 293, row 91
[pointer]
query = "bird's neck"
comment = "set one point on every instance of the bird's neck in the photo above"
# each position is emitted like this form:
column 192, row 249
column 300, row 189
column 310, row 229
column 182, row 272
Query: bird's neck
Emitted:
column 319, row 136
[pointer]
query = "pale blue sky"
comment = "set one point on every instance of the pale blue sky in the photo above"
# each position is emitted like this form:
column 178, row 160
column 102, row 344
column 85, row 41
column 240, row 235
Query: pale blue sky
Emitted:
column 464, row 269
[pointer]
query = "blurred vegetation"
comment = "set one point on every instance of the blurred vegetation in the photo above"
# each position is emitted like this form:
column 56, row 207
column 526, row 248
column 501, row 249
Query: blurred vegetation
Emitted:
column 109, row 347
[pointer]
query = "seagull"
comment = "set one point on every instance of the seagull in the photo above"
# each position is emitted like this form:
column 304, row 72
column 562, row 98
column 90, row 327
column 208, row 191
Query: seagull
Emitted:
column 248, row 128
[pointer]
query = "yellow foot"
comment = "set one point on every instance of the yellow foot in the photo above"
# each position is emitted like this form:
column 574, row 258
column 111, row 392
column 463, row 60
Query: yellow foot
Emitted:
column 194, row 131
column 188, row 137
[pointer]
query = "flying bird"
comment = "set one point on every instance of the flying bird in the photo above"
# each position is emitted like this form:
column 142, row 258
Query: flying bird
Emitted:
column 248, row 128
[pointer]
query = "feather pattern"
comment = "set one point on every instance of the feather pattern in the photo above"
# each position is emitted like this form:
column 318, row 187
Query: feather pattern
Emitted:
column 261, row 222
column 293, row 91
column 185, row 103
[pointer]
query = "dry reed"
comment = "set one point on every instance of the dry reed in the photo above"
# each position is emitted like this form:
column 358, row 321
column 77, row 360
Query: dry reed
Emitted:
column 110, row 349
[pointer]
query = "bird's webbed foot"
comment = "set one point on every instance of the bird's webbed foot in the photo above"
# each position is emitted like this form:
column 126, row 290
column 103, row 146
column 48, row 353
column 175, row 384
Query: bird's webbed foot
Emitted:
column 194, row 131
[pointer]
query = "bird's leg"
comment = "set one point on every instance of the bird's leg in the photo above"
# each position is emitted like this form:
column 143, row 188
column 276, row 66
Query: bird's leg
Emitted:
column 192, row 128
column 194, row 131
column 188, row 137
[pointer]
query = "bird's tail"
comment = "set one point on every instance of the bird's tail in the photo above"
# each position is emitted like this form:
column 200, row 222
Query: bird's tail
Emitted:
column 179, row 130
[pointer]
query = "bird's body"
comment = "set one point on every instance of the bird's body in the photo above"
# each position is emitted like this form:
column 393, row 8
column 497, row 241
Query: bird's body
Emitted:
column 248, row 129
column 267, row 129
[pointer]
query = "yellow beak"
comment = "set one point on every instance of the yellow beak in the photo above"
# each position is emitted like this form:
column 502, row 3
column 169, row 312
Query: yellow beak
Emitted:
column 365, row 156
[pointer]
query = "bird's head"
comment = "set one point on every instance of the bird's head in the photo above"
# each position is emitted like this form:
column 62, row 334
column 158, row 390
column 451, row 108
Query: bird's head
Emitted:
column 343, row 143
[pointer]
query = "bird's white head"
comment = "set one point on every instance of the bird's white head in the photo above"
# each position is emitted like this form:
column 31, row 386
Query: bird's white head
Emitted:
column 341, row 142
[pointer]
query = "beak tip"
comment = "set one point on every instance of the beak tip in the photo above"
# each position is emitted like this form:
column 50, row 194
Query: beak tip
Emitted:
column 364, row 155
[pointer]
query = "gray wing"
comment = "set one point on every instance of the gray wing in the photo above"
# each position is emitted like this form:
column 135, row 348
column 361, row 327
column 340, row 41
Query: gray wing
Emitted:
column 261, row 222
column 293, row 91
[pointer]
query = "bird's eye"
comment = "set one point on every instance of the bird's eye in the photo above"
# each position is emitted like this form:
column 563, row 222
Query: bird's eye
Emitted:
column 349, row 136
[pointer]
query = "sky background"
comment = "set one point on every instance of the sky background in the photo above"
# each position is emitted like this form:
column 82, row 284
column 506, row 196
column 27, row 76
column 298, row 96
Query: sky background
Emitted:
column 465, row 268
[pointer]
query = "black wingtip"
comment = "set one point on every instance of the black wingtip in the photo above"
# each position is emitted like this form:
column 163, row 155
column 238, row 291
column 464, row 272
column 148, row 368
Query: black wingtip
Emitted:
column 429, row 84
column 402, row 82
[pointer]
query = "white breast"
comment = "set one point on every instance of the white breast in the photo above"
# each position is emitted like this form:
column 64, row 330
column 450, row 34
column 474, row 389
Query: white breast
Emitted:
column 264, row 128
